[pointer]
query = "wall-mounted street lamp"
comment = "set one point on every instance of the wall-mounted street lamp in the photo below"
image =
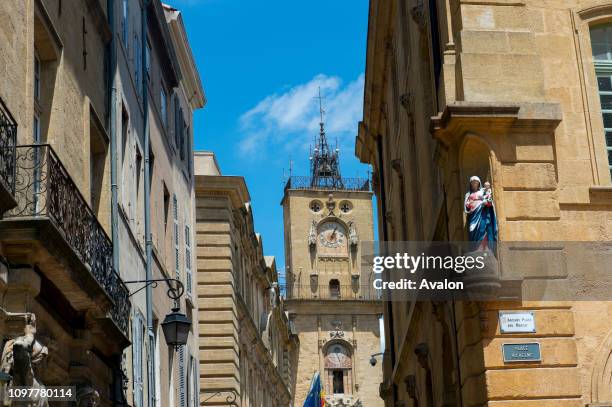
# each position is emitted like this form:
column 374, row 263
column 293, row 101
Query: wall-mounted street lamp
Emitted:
column 176, row 325
column 176, row 328
column 373, row 358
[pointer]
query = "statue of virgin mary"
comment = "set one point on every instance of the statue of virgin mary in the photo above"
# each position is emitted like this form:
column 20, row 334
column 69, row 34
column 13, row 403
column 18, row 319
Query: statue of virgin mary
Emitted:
column 481, row 220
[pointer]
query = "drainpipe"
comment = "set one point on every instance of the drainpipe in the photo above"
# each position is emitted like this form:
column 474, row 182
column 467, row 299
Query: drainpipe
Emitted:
column 113, row 135
column 147, row 205
column 117, row 394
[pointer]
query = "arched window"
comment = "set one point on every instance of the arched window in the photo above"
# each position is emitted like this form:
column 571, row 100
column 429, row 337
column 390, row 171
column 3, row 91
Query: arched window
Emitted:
column 338, row 369
column 334, row 288
column 601, row 42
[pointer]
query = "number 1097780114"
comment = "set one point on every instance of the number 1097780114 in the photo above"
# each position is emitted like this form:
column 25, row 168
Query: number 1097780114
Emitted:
column 57, row 393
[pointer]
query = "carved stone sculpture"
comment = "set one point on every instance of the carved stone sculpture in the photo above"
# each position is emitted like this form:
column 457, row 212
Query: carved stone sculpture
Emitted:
column 312, row 235
column 331, row 205
column 20, row 357
column 87, row 396
column 353, row 237
column 337, row 332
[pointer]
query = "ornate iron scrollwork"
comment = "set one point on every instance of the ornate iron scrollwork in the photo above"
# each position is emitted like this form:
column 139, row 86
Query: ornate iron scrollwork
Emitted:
column 8, row 141
column 230, row 397
column 344, row 184
column 43, row 187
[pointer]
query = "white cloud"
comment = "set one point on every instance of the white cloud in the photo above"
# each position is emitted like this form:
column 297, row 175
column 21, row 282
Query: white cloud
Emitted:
column 289, row 120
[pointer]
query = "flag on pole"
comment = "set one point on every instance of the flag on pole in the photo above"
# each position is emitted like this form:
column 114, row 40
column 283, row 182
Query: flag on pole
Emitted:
column 316, row 395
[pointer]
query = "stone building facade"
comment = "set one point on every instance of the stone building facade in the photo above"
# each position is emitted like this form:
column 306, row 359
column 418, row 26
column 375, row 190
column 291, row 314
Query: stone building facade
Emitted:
column 516, row 93
column 64, row 104
column 64, row 310
column 174, row 90
column 330, row 299
column 247, row 349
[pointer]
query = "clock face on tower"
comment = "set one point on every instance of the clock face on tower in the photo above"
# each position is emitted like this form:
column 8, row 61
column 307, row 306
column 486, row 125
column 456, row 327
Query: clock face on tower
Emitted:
column 332, row 236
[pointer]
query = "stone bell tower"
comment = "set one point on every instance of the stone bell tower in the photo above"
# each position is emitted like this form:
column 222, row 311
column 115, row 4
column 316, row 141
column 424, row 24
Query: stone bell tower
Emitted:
column 331, row 302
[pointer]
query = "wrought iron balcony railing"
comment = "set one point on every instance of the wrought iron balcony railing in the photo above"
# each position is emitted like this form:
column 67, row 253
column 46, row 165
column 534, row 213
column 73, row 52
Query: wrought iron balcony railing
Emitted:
column 44, row 189
column 8, row 141
column 327, row 292
column 323, row 183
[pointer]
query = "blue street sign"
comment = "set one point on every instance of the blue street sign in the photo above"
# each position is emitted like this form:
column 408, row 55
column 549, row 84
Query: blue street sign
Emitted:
column 521, row 352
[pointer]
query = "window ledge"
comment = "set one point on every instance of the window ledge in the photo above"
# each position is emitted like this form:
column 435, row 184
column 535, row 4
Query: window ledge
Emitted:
column 600, row 194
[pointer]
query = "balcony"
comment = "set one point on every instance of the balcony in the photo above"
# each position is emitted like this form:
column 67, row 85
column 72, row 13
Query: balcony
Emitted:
column 53, row 228
column 328, row 183
column 332, row 293
column 8, row 138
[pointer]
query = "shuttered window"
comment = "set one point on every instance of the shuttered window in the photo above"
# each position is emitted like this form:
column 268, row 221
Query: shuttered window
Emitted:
column 192, row 383
column 196, row 383
column 124, row 23
column 188, row 274
column 178, row 121
column 137, row 63
column 137, row 354
column 182, row 378
column 176, row 237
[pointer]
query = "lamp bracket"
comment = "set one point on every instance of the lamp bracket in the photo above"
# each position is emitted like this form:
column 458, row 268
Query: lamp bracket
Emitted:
column 230, row 399
column 175, row 291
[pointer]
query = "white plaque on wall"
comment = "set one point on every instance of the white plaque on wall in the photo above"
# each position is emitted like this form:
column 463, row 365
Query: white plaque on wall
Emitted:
column 511, row 322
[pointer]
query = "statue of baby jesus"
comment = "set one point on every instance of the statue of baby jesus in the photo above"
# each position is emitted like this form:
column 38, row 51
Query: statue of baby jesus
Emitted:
column 488, row 194
column 478, row 195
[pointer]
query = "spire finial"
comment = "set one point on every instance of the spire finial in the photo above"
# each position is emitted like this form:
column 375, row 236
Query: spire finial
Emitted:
column 321, row 111
column 325, row 165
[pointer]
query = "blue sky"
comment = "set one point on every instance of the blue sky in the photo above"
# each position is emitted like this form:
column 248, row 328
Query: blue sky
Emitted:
column 261, row 63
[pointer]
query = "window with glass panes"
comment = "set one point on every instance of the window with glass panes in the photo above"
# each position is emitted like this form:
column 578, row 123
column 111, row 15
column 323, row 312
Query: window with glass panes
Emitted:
column 601, row 41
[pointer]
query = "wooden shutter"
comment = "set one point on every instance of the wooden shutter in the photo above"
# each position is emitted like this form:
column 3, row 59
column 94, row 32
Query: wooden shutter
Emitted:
column 178, row 118
column 176, row 237
column 188, row 274
column 182, row 381
column 137, row 370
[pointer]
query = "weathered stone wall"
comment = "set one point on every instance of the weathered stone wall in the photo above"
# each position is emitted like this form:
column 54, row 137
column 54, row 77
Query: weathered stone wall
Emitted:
column 73, row 112
column 516, row 103
column 73, row 93
column 244, row 339
column 320, row 322
column 301, row 260
column 316, row 324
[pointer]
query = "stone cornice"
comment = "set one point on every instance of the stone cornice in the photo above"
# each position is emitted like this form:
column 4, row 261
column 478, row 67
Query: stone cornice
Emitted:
column 461, row 117
column 190, row 75
column 365, row 144
column 233, row 187
column 379, row 17
column 158, row 28
column 593, row 9
column 600, row 194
